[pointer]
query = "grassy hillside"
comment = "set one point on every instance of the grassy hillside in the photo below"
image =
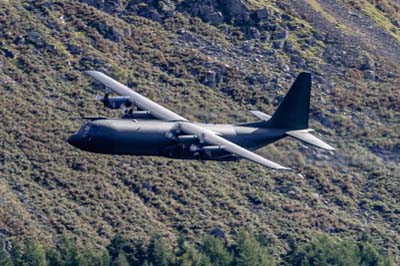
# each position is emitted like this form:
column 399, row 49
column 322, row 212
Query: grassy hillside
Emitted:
column 209, row 63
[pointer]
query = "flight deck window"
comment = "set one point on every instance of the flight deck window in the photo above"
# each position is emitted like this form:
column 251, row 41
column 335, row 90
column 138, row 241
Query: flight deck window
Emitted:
column 85, row 130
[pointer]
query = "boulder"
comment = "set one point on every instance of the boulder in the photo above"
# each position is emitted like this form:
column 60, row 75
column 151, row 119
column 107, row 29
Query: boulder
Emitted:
column 166, row 7
column 146, row 11
column 219, row 75
column 247, row 47
column 147, row 185
column 113, row 6
column 279, row 34
column 35, row 38
column 215, row 18
column 217, row 232
column 127, row 32
column 187, row 36
column 262, row 14
column 51, row 48
column 278, row 44
column 288, row 47
column 235, row 9
column 367, row 64
column 324, row 120
column 203, row 10
column 370, row 75
column 292, row 26
column 256, row 79
column 208, row 14
column 264, row 36
column 396, row 23
column 109, row 6
column 268, row 26
column 210, row 79
column 154, row 15
column 95, row 3
column 8, row 53
column 75, row 49
column 319, row 37
column 286, row 17
column 114, row 35
column 19, row 40
column 253, row 33
column 108, row 32
column 4, row 232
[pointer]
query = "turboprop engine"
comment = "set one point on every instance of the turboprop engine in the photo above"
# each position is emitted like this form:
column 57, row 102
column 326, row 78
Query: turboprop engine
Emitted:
column 114, row 102
column 202, row 152
column 123, row 103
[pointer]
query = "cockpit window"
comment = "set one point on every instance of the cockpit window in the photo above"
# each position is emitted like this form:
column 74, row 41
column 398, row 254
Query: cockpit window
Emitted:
column 85, row 130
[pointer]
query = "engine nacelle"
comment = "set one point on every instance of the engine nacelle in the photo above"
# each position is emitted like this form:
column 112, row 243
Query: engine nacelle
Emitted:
column 206, row 151
column 141, row 115
column 114, row 102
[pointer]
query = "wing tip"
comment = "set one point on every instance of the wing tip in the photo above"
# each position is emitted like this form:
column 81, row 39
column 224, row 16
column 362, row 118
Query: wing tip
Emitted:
column 328, row 147
column 283, row 168
column 279, row 167
column 95, row 73
column 91, row 72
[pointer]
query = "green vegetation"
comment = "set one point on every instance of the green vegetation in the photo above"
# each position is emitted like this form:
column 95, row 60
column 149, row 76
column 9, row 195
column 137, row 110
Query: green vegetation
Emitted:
column 49, row 189
column 316, row 5
column 66, row 253
column 382, row 20
column 325, row 251
column 246, row 250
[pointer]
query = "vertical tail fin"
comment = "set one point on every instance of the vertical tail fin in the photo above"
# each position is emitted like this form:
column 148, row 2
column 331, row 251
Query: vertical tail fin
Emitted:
column 292, row 112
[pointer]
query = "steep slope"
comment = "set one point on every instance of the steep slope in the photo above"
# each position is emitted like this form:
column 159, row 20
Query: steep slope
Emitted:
column 211, row 61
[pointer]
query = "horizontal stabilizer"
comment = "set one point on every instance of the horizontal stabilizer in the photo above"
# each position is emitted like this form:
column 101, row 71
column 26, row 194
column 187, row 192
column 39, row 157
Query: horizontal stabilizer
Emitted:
column 307, row 137
column 260, row 115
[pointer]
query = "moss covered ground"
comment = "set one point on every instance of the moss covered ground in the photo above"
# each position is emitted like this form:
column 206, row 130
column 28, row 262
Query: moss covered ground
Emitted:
column 49, row 189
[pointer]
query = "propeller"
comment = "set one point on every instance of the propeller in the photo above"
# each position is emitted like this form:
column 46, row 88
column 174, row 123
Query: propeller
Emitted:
column 174, row 132
column 103, row 99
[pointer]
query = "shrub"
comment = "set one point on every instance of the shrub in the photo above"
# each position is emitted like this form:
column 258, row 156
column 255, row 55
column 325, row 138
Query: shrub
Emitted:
column 328, row 251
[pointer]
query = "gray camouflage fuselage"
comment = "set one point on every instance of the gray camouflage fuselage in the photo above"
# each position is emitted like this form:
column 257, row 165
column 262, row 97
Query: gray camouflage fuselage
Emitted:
column 154, row 130
column 131, row 137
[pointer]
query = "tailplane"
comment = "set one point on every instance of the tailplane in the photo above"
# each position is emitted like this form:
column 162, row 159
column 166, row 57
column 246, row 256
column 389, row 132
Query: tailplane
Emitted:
column 305, row 136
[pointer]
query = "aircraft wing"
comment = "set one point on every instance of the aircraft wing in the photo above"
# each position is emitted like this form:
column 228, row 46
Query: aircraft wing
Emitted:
column 135, row 98
column 210, row 137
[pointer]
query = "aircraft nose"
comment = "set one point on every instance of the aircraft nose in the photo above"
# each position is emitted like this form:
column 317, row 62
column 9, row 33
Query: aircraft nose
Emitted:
column 75, row 140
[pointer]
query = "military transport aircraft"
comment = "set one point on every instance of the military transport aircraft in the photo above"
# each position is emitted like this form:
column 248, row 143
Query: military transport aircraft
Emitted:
column 152, row 129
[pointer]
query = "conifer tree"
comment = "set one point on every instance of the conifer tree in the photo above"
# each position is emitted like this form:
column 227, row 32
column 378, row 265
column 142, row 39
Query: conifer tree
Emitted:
column 158, row 252
column 191, row 257
column 4, row 256
column 69, row 253
column 121, row 259
column 249, row 252
column 216, row 251
column 34, row 254
column 16, row 253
